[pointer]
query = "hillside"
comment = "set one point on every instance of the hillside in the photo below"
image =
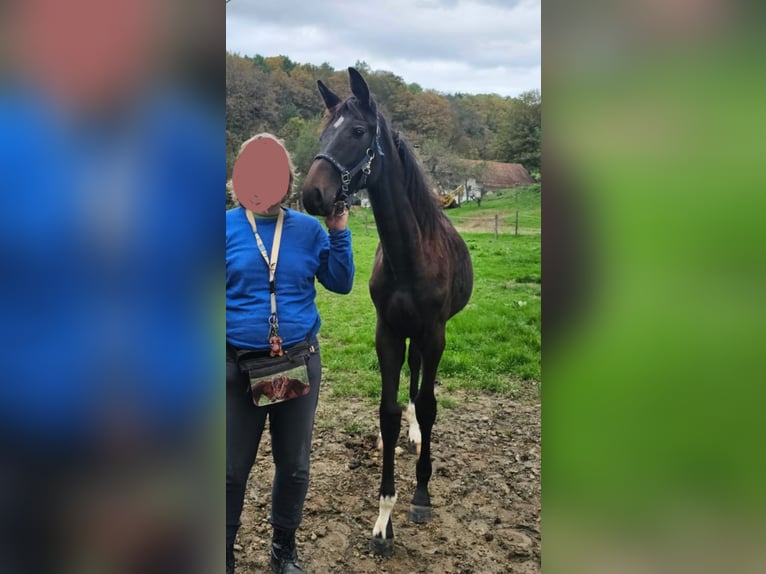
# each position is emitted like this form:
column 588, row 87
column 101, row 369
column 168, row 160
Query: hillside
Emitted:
column 277, row 95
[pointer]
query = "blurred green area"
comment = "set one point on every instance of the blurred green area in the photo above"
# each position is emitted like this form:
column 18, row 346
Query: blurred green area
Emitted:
column 652, row 407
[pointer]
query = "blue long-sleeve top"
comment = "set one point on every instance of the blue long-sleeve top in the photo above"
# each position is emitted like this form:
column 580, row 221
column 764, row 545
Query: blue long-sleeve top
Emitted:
column 307, row 252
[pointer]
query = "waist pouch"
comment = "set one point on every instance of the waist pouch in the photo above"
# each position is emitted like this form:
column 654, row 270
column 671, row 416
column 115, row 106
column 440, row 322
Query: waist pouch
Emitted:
column 277, row 379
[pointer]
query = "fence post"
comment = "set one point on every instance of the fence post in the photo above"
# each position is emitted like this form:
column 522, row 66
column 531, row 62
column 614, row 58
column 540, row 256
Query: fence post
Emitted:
column 517, row 222
column 496, row 217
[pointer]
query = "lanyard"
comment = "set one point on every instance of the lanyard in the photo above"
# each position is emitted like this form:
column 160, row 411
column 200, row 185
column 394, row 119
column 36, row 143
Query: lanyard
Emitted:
column 271, row 262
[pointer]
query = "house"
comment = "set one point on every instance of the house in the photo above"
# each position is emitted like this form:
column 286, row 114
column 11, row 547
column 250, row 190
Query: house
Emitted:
column 363, row 199
column 491, row 175
column 494, row 175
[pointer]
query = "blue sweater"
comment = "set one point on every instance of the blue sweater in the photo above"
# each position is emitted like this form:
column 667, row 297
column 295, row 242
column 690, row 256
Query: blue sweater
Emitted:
column 307, row 251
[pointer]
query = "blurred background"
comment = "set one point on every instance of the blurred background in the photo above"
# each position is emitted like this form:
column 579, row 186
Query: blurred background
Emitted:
column 653, row 282
column 112, row 158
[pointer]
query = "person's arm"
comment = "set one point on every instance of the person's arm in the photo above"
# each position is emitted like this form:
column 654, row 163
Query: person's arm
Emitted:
column 336, row 259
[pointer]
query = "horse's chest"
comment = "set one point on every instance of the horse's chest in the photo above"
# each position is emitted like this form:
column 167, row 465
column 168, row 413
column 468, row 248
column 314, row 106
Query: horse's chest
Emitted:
column 404, row 309
column 406, row 303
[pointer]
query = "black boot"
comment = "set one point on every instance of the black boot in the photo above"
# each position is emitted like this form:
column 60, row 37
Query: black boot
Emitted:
column 284, row 556
column 229, row 559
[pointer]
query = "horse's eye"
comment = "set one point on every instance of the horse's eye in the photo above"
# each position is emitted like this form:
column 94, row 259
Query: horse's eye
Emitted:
column 358, row 132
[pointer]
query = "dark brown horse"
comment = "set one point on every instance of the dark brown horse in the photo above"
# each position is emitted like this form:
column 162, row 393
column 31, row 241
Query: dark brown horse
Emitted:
column 422, row 274
column 263, row 388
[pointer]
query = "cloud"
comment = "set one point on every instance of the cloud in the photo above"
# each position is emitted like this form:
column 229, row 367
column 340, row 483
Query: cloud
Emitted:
column 475, row 46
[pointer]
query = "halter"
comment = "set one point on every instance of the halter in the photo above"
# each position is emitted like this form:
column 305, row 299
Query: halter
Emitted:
column 364, row 165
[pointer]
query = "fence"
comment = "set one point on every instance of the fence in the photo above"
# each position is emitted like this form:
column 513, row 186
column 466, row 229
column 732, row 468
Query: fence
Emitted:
column 504, row 223
column 497, row 224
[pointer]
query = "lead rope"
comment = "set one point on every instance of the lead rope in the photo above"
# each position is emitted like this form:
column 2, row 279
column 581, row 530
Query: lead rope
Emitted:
column 275, row 341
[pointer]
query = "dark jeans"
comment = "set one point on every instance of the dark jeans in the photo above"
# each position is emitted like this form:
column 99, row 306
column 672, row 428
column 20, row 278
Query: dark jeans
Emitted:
column 291, row 424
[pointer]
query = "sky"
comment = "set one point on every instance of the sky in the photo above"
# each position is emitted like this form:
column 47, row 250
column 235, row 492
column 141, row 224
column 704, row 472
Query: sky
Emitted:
column 466, row 46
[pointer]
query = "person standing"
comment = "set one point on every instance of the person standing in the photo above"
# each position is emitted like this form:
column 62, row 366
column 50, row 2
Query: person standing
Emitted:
column 267, row 241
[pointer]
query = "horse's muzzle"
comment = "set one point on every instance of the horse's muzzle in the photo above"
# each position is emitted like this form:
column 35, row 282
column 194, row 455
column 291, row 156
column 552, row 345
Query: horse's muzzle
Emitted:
column 314, row 203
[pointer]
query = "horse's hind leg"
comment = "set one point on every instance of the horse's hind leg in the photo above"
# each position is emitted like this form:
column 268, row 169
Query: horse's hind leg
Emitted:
column 413, row 361
column 425, row 408
column 390, row 350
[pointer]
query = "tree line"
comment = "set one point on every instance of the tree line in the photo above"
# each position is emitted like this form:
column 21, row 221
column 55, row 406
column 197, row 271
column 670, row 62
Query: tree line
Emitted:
column 277, row 95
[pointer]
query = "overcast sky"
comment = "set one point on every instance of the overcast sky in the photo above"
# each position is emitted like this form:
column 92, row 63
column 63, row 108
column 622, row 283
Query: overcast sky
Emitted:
column 469, row 46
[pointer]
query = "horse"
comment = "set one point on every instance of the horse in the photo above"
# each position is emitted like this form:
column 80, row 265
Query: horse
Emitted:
column 286, row 388
column 264, row 387
column 422, row 273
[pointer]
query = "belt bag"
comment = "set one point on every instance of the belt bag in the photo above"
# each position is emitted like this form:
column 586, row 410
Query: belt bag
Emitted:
column 280, row 378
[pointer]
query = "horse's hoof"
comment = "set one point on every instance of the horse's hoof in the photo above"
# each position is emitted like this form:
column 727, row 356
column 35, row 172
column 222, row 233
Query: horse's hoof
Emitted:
column 413, row 447
column 420, row 514
column 382, row 546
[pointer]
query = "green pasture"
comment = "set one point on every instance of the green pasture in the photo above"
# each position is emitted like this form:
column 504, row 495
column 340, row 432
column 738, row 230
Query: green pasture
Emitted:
column 505, row 203
column 493, row 344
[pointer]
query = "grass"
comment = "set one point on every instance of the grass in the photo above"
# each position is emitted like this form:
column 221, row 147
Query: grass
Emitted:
column 493, row 344
column 352, row 428
column 505, row 203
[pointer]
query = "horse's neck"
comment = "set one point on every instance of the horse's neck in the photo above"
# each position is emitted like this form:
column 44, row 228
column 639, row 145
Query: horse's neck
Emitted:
column 397, row 226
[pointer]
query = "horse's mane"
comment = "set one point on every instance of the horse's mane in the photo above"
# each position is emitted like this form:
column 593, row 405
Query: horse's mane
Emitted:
column 424, row 204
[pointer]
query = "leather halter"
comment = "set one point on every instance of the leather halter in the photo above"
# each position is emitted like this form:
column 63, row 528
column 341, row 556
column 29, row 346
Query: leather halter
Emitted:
column 364, row 165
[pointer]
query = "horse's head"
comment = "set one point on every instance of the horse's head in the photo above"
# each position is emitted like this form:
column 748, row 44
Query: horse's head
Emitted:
column 350, row 149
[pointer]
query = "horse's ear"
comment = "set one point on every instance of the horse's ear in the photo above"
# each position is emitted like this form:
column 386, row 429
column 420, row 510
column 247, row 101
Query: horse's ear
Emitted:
column 359, row 88
column 330, row 98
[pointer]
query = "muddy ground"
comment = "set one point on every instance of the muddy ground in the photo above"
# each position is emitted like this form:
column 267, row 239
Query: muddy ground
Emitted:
column 485, row 492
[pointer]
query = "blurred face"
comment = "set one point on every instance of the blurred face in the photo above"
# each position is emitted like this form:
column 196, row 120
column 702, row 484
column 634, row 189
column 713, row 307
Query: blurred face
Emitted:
column 85, row 51
column 261, row 175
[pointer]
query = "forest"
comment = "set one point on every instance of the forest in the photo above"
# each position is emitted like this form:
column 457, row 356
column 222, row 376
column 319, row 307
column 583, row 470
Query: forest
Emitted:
column 277, row 95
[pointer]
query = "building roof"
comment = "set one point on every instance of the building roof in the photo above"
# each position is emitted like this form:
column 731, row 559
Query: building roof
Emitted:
column 498, row 174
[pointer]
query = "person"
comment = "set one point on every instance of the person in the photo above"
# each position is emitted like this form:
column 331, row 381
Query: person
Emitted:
column 306, row 252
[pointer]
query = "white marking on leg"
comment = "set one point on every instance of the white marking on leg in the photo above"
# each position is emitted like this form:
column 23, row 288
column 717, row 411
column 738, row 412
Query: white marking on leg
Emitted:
column 386, row 506
column 414, row 426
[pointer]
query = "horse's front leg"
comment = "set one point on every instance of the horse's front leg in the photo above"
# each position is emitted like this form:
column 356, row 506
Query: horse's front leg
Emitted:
column 425, row 408
column 390, row 350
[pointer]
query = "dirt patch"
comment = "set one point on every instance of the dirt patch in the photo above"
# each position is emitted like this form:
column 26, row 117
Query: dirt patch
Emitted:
column 485, row 492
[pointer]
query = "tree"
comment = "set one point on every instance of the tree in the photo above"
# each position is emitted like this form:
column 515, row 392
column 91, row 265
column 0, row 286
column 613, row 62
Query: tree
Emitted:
column 303, row 90
column 233, row 143
column 283, row 63
column 520, row 139
column 476, row 172
column 268, row 93
column 485, row 114
column 444, row 168
column 250, row 99
column 431, row 116
column 302, row 141
column 385, row 87
column 469, row 132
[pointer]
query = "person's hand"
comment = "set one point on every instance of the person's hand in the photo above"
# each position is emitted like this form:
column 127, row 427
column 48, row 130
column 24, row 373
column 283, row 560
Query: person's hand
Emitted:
column 337, row 222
